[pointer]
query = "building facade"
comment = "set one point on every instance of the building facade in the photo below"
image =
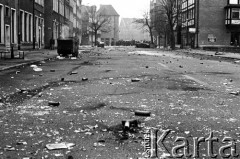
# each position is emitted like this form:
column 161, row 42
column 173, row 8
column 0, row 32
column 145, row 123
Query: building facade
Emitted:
column 63, row 20
column 210, row 22
column 18, row 27
column 30, row 24
column 111, row 37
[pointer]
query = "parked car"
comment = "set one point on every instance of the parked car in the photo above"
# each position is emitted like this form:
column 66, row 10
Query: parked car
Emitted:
column 142, row 45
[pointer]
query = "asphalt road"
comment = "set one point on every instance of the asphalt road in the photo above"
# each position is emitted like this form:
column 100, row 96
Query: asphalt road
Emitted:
column 190, row 96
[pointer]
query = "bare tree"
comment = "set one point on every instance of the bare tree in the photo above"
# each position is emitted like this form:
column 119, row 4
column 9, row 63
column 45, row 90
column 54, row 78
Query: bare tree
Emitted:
column 159, row 23
column 98, row 23
column 169, row 9
column 145, row 24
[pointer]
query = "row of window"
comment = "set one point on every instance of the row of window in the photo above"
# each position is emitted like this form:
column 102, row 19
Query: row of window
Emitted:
column 8, row 31
column 8, row 26
column 187, row 3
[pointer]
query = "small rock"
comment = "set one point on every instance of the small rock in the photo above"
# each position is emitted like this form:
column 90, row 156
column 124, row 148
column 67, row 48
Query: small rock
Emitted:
column 235, row 93
column 142, row 113
column 180, row 66
column 52, row 70
column 84, row 79
column 73, row 73
column 54, row 104
column 135, row 79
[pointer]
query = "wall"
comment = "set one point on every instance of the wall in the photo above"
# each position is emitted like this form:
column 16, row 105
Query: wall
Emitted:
column 212, row 21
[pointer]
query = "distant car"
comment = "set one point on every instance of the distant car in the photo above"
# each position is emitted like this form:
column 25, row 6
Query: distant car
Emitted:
column 142, row 45
column 100, row 44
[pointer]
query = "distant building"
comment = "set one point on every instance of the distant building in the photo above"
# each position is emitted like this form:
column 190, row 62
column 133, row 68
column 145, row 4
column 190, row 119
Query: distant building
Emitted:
column 87, row 34
column 110, row 38
column 128, row 30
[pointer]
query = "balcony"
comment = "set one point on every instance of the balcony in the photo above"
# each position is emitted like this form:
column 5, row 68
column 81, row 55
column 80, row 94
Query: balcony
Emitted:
column 232, row 12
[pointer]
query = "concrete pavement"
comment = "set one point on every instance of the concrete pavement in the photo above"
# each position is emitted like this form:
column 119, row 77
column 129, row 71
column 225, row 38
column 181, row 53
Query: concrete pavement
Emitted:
column 31, row 56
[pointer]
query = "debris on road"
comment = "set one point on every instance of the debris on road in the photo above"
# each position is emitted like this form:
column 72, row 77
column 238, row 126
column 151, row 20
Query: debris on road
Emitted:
column 73, row 73
column 57, row 146
column 235, row 93
column 52, row 70
column 37, row 69
column 219, row 53
column 130, row 123
column 60, row 57
column 54, row 104
column 135, row 79
column 98, row 145
column 142, row 113
column 84, row 79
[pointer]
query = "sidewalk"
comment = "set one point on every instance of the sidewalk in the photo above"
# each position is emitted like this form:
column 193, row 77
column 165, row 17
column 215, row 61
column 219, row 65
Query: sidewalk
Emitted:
column 31, row 56
column 234, row 56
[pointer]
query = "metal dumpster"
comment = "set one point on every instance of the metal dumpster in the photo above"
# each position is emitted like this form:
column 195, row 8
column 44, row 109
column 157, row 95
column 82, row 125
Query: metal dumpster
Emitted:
column 68, row 47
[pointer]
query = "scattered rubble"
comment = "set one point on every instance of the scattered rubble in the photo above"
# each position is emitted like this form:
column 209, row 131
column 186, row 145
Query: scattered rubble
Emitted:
column 135, row 79
column 58, row 146
column 142, row 113
column 54, row 104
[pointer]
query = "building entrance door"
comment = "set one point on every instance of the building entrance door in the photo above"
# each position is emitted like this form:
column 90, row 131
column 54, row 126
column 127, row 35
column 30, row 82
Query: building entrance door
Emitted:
column 235, row 38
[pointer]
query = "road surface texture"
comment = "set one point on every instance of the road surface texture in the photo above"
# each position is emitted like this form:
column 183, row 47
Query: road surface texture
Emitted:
column 191, row 96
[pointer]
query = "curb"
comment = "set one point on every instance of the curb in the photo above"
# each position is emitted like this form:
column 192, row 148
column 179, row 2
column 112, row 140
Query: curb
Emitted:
column 24, row 64
column 224, row 57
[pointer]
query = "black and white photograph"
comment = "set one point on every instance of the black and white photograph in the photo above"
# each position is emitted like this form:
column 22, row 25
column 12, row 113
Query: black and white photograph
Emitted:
column 119, row 79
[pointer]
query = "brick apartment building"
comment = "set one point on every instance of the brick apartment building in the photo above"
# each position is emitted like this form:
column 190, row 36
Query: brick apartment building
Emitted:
column 205, row 23
column 63, row 20
column 210, row 22
column 52, row 18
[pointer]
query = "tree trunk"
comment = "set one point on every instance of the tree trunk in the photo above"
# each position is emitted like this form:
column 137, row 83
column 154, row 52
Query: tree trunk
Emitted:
column 172, row 40
column 95, row 40
column 151, row 35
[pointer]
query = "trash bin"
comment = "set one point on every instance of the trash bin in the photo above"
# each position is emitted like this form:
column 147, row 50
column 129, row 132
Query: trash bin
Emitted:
column 68, row 47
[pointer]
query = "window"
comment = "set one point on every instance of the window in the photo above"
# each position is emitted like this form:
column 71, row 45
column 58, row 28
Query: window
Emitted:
column 22, row 22
column 233, row 1
column 67, row 12
column 30, row 27
column 61, row 7
column 1, row 24
column 235, row 13
column 13, row 26
column 55, row 5
column 7, row 11
column 25, row 26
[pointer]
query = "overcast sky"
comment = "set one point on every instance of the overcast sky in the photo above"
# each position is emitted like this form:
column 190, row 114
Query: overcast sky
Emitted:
column 125, row 8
